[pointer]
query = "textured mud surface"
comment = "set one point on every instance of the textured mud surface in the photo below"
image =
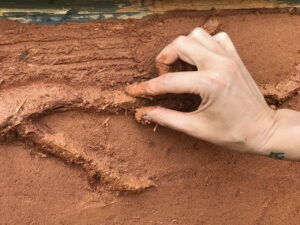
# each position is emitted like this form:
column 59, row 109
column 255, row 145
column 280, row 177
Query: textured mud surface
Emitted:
column 62, row 94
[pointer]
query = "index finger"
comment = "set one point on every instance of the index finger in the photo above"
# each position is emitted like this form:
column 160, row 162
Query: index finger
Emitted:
column 174, row 51
column 188, row 50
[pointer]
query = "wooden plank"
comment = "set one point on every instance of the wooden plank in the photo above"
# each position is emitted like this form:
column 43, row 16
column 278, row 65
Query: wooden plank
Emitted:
column 57, row 11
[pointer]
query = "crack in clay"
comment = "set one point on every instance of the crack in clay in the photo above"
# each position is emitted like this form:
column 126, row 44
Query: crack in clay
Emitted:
column 21, row 105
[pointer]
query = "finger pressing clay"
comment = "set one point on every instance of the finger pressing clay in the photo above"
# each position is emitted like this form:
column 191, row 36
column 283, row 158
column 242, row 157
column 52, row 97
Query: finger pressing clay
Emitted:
column 212, row 27
column 141, row 114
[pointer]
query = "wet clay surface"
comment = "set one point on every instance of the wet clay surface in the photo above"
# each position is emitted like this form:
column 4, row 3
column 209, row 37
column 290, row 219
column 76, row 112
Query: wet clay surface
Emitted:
column 70, row 145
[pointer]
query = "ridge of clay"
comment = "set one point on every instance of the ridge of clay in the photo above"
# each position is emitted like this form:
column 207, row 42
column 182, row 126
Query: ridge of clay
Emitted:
column 21, row 105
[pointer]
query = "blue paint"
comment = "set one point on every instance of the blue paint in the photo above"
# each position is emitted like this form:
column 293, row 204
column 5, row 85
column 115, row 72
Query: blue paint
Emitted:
column 97, row 9
column 54, row 19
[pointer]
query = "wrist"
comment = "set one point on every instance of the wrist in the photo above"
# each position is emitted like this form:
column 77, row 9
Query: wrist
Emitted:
column 282, row 140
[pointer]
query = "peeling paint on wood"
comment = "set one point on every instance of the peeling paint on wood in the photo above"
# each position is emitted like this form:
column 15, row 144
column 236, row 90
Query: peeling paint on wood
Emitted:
column 55, row 12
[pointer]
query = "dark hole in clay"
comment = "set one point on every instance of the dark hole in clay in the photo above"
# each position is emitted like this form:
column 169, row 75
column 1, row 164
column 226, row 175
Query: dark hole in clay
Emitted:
column 179, row 102
column 182, row 102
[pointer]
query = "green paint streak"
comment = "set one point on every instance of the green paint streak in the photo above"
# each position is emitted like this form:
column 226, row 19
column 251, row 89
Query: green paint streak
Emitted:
column 89, row 5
